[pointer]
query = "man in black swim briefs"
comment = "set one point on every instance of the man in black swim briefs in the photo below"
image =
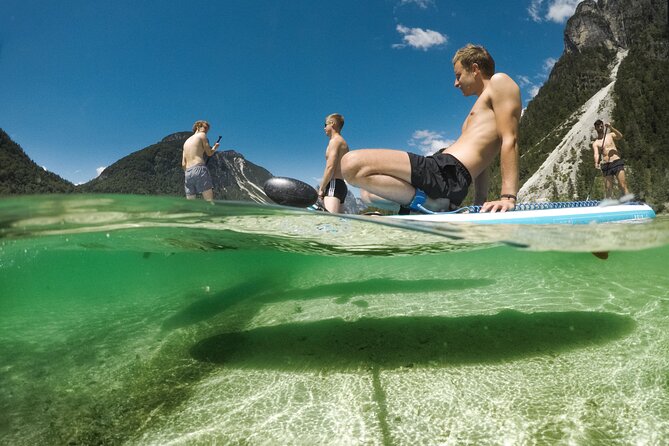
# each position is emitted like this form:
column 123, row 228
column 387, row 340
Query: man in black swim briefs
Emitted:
column 608, row 159
column 332, row 190
column 336, row 188
column 441, row 181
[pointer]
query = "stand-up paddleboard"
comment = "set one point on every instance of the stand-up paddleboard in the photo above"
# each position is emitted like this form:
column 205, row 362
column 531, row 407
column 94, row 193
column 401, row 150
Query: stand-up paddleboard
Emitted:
column 571, row 213
column 291, row 192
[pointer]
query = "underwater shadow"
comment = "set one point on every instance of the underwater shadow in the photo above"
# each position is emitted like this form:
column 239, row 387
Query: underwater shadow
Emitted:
column 411, row 341
column 263, row 292
column 208, row 307
column 343, row 292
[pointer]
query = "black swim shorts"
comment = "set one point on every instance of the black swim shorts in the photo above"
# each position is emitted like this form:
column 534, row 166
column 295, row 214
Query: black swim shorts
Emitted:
column 440, row 176
column 612, row 168
column 337, row 188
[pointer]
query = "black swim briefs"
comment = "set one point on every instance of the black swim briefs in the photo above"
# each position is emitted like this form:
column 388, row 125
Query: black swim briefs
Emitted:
column 337, row 188
column 612, row 168
column 440, row 176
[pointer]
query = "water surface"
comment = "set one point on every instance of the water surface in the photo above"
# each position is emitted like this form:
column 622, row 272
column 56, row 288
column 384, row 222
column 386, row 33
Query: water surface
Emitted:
column 145, row 320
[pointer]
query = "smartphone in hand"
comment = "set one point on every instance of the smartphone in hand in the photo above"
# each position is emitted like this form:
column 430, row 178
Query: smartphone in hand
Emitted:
column 219, row 139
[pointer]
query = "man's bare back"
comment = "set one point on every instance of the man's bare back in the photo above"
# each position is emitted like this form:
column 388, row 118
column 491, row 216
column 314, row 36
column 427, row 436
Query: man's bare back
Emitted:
column 194, row 149
column 197, row 179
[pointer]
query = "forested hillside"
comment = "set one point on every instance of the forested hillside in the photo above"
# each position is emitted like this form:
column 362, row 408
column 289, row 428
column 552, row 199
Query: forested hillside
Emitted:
column 20, row 175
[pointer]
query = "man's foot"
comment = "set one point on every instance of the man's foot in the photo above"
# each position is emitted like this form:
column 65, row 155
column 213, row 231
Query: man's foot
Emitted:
column 418, row 203
column 438, row 205
column 422, row 203
column 318, row 206
column 627, row 198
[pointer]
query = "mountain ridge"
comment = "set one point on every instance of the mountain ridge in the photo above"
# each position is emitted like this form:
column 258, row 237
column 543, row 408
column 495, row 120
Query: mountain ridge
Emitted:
column 21, row 175
column 613, row 67
column 156, row 170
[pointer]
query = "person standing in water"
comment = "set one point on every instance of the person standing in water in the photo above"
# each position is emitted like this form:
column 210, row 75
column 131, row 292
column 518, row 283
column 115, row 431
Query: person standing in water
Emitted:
column 440, row 182
column 608, row 159
column 333, row 189
column 197, row 178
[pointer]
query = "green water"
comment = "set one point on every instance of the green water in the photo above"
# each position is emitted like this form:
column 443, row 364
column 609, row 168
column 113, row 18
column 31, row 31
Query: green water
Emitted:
column 154, row 321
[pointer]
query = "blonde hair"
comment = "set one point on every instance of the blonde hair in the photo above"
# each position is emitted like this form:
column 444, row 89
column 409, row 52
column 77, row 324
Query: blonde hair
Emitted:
column 199, row 124
column 471, row 54
column 337, row 119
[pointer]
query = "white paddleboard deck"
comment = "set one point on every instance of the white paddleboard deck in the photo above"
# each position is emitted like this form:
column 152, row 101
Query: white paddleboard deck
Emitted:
column 568, row 215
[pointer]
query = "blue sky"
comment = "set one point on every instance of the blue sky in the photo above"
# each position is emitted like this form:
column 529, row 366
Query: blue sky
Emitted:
column 83, row 83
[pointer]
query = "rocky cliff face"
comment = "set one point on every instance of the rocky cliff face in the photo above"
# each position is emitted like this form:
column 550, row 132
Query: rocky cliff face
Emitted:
column 590, row 27
column 235, row 178
column 613, row 68
column 615, row 24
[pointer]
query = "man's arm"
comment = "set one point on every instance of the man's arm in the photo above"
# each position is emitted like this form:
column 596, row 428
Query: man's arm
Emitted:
column 183, row 159
column 595, row 149
column 205, row 145
column 206, row 148
column 481, row 187
column 505, row 96
column 615, row 133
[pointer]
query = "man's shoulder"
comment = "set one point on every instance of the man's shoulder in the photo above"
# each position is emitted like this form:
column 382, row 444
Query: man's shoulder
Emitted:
column 503, row 80
column 502, row 88
column 338, row 141
column 194, row 137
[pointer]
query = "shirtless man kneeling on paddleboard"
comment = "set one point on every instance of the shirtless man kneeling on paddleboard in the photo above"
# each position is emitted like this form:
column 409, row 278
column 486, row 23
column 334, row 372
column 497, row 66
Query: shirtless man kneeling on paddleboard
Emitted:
column 441, row 181
column 197, row 179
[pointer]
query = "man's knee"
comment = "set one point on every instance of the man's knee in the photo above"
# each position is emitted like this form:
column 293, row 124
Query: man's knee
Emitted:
column 350, row 166
column 366, row 197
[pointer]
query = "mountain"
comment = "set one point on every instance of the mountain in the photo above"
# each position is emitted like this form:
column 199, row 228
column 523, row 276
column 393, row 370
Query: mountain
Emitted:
column 157, row 170
column 154, row 170
column 614, row 67
column 20, row 175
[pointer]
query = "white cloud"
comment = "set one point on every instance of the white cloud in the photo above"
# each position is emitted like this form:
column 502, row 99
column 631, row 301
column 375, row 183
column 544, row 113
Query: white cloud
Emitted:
column 534, row 90
column 548, row 64
column 418, row 38
column 429, row 141
column 99, row 170
column 535, row 10
column 561, row 10
column 422, row 4
column 524, row 81
column 557, row 11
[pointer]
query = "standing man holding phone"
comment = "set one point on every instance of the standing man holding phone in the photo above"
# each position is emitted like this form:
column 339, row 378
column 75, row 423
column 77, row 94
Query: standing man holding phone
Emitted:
column 197, row 178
